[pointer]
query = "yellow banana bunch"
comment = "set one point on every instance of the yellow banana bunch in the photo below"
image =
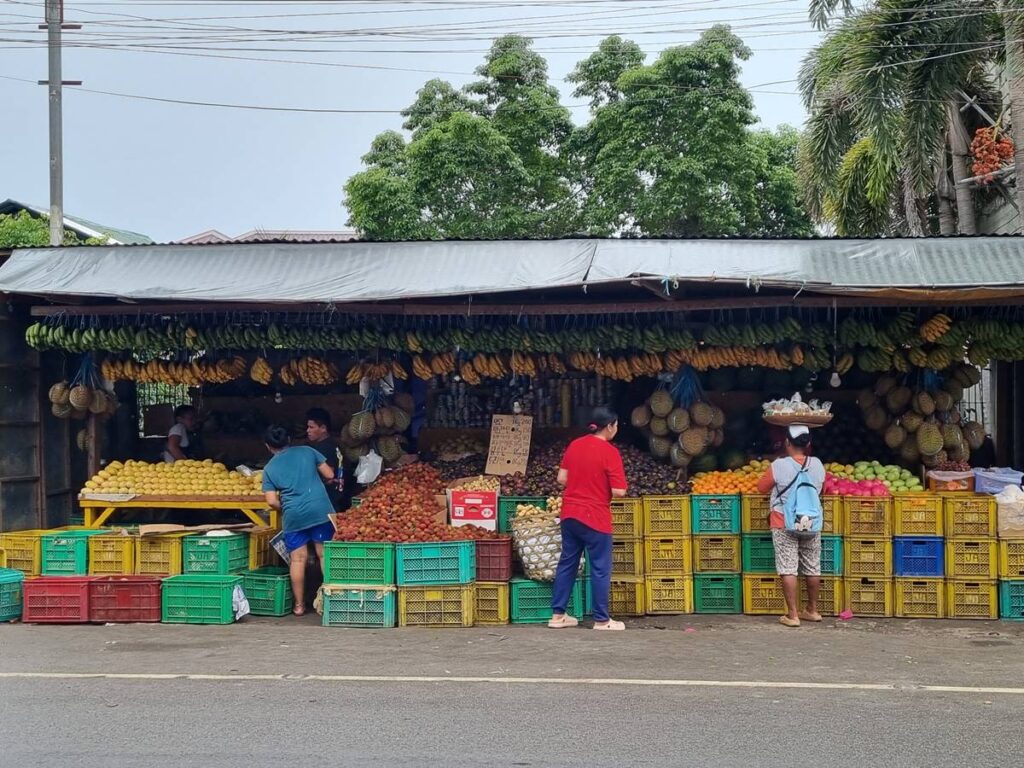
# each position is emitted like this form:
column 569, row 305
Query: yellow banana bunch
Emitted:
column 315, row 371
column 443, row 364
column 261, row 372
column 523, row 365
column 797, row 355
column 355, row 373
column 398, row 371
column 555, row 364
column 469, row 374
column 918, row 357
column 844, row 364
column 583, row 361
column 421, row 368
column 937, row 327
column 900, row 363
column 709, row 358
column 168, row 372
column 412, row 342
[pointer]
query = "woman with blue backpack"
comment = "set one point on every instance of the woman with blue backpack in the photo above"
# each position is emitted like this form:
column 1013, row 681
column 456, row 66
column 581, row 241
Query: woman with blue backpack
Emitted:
column 795, row 482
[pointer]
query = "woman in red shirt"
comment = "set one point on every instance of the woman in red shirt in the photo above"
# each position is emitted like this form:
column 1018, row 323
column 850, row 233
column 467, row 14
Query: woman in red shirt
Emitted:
column 592, row 474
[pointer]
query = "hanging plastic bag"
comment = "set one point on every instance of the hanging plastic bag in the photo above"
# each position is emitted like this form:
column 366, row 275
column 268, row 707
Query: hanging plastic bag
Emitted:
column 239, row 602
column 368, row 468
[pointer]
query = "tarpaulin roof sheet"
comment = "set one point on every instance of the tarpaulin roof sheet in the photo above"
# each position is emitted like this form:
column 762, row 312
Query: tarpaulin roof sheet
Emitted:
column 379, row 271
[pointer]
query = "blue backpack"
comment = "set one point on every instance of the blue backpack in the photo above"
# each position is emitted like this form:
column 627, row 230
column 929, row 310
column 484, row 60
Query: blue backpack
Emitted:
column 801, row 510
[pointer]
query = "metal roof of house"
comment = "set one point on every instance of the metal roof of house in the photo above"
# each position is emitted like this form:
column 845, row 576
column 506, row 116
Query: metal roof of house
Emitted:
column 82, row 227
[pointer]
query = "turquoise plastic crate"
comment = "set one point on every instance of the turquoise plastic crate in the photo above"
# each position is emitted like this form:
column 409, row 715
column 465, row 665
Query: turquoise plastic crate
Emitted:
column 507, row 508
column 10, row 594
column 531, row 601
column 759, row 554
column 715, row 514
column 372, row 608
column 718, row 593
column 196, row 598
column 269, row 591
column 357, row 562
column 216, row 555
column 67, row 553
column 436, row 563
column 1011, row 599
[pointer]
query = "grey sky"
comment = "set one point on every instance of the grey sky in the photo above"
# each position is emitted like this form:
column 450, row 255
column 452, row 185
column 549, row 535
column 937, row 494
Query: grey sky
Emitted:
column 172, row 170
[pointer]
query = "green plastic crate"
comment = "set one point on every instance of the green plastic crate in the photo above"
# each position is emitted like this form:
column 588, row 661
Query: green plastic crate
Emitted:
column 371, row 608
column 67, row 553
column 507, row 508
column 215, row 555
column 531, row 601
column 269, row 591
column 357, row 562
column 718, row 593
column 196, row 598
column 10, row 594
column 435, row 563
column 715, row 514
column 759, row 554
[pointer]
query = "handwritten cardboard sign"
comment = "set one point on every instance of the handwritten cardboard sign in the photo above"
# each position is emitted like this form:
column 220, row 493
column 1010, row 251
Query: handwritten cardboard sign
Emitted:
column 510, row 444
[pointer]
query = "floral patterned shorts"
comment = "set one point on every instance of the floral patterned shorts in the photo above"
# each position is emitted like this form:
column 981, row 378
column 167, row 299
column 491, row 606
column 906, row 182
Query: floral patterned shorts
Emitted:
column 796, row 554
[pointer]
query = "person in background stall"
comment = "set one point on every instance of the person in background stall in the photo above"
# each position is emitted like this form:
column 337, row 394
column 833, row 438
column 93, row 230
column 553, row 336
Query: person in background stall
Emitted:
column 180, row 440
column 318, row 435
column 796, row 554
column 294, row 484
column 592, row 475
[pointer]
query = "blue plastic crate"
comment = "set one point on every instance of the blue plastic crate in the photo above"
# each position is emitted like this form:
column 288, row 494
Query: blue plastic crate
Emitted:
column 443, row 562
column 715, row 514
column 10, row 594
column 919, row 556
column 1011, row 599
column 374, row 607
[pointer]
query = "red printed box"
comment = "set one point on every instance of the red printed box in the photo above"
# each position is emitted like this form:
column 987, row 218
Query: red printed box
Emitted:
column 473, row 508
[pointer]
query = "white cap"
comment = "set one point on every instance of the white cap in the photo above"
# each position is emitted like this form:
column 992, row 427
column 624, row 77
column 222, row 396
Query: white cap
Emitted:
column 795, row 430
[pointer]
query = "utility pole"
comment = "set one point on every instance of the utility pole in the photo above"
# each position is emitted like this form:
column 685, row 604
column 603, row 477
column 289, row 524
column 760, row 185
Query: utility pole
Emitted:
column 54, row 25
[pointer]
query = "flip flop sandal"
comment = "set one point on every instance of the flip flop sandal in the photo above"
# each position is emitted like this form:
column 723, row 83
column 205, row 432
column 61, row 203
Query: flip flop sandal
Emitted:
column 812, row 617
column 788, row 622
column 611, row 625
column 564, row 623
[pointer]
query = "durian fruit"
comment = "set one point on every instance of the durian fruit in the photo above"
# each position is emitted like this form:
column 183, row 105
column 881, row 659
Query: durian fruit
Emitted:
column 354, row 453
column 402, row 419
column 678, row 420
column 678, row 456
column 934, row 461
column 867, row 398
column 911, row 420
column 661, row 404
column 658, row 427
column 363, row 426
column 99, row 402
column 952, row 437
column 659, row 446
column 640, row 417
column 82, row 439
column 955, row 389
column 717, row 418
column 909, row 451
column 894, row 436
column 60, row 393
column 963, row 453
column 876, row 418
column 974, row 434
column 929, row 439
column 80, row 397
column 884, row 384
column 924, row 404
column 61, row 410
column 943, row 400
column 694, row 440
column 717, row 438
column 702, row 414
column 897, row 400
column 389, row 449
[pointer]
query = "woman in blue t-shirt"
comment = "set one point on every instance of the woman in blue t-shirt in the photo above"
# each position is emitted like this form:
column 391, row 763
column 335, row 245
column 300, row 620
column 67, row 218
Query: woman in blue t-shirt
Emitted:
column 293, row 483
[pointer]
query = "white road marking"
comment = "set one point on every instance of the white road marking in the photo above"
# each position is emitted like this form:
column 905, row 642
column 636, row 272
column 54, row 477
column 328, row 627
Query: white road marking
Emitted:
column 795, row 684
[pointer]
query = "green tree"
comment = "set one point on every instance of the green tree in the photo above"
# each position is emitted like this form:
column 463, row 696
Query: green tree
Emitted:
column 22, row 230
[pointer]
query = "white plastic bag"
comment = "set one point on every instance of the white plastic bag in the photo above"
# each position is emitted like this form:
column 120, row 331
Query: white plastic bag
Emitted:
column 239, row 602
column 368, row 468
column 1010, row 506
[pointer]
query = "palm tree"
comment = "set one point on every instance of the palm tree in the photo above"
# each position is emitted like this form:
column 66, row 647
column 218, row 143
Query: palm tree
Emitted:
column 888, row 82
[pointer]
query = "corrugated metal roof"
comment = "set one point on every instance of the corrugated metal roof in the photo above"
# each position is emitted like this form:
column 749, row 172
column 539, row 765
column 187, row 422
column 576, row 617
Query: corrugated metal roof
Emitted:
column 82, row 227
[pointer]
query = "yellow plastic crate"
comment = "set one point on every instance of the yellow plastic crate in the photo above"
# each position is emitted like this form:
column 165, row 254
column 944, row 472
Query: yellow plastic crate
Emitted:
column 976, row 559
column 832, row 516
column 867, row 558
column 491, row 607
column 450, row 605
column 918, row 514
column 112, row 555
column 627, row 558
column 668, row 556
column 869, row 597
column 627, row 597
column 627, row 518
column 717, row 554
column 762, row 595
column 920, row 598
column 969, row 516
column 967, row 599
column 261, row 553
column 754, row 511
column 3, row 558
column 831, row 598
column 669, row 595
column 666, row 516
column 1011, row 559
column 24, row 550
column 159, row 555
column 867, row 516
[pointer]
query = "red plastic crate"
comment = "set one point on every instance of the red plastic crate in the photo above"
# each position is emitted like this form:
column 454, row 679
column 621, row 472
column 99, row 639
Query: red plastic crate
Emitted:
column 56, row 600
column 124, row 599
column 494, row 559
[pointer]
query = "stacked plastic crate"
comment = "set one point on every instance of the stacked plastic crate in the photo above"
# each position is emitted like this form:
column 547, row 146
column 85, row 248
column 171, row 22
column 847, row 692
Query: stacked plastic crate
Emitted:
column 919, row 556
column 436, row 584
column 716, row 553
column 359, row 584
column 668, row 582
column 867, row 555
column 212, row 568
column 493, row 574
column 628, row 593
column 972, row 557
column 762, row 588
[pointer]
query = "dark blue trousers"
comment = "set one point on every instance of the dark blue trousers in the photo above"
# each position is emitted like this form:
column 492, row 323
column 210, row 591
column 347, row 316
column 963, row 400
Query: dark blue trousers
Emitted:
column 577, row 537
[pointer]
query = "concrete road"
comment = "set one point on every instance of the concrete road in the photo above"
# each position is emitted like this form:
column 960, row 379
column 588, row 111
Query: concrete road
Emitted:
column 699, row 691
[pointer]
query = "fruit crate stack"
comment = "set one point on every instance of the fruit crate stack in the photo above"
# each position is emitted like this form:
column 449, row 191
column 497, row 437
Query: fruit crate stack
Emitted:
column 972, row 556
column 492, row 599
column 868, row 523
column 627, row 594
column 1011, row 564
column 667, row 586
column 436, row 584
column 716, row 553
column 918, row 550
column 359, row 585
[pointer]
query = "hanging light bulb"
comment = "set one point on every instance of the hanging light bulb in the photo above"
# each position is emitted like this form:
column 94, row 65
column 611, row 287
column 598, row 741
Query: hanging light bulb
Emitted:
column 277, row 398
column 835, row 381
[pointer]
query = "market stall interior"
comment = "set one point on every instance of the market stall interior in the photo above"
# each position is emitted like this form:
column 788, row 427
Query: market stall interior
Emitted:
column 908, row 380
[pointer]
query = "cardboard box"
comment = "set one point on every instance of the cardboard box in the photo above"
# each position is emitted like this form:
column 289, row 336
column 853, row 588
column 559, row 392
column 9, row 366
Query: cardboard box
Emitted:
column 473, row 508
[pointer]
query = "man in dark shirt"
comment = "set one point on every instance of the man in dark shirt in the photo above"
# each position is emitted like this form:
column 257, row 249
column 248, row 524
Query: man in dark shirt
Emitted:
column 318, row 433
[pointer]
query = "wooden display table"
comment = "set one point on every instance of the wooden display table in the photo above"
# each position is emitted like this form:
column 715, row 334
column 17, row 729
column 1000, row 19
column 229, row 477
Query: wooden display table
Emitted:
column 98, row 511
